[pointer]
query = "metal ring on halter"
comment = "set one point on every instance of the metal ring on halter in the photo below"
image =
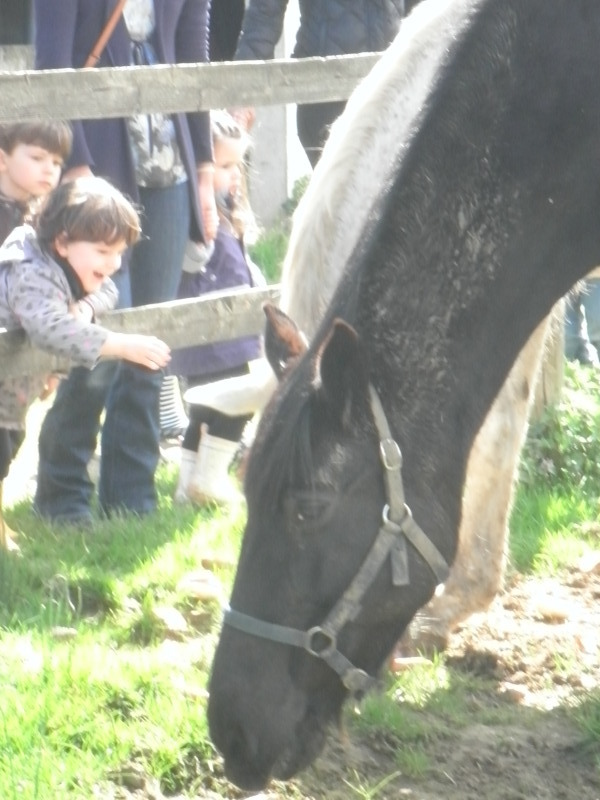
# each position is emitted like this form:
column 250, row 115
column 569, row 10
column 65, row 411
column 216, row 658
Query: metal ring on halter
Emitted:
column 385, row 515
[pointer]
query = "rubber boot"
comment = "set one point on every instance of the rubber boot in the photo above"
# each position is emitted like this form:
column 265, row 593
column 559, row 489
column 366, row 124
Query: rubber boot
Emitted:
column 7, row 536
column 186, row 469
column 211, row 482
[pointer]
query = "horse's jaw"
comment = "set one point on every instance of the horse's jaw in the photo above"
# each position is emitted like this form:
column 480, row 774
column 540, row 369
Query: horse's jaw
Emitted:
column 262, row 737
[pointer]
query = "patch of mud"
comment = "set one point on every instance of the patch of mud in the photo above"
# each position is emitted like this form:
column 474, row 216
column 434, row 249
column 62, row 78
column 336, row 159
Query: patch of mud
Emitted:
column 539, row 645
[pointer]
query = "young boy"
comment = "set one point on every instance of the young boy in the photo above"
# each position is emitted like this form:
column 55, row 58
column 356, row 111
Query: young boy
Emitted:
column 32, row 155
column 55, row 278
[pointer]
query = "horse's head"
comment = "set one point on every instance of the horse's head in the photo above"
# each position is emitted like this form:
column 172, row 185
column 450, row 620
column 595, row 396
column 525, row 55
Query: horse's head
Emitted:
column 296, row 642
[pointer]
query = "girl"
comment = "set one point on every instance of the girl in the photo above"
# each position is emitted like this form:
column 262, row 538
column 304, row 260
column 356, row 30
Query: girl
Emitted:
column 212, row 436
column 55, row 278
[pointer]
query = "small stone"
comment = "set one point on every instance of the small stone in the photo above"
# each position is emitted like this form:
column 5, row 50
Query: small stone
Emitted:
column 202, row 585
column 552, row 611
column 402, row 663
column 514, row 692
column 173, row 620
column 63, row 633
column 590, row 562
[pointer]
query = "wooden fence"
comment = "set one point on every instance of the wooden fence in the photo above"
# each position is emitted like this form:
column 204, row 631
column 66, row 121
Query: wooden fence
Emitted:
column 122, row 91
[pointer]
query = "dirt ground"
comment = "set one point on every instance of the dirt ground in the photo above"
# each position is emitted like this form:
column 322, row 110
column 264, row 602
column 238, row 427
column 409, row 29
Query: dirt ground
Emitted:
column 539, row 642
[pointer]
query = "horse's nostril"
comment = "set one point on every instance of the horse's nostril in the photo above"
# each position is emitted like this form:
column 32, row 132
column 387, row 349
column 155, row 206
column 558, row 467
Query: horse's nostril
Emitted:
column 243, row 764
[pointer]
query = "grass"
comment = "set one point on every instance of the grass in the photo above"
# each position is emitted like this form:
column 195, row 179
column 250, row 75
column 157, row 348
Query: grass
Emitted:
column 94, row 684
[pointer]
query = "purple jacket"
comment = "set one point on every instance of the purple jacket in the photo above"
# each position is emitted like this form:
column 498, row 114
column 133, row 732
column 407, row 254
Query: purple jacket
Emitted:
column 66, row 31
column 227, row 268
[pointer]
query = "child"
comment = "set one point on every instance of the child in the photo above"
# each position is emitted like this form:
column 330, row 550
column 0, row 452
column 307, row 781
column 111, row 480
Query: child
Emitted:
column 212, row 437
column 32, row 155
column 55, row 278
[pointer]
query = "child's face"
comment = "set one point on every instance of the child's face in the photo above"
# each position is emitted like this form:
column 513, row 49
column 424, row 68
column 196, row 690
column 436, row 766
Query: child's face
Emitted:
column 93, row 262
column 29, row 171
column 229, row 159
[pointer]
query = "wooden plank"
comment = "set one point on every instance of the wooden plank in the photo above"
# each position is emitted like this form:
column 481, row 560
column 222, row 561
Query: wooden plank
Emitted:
column 122, row 91
column 214, row 317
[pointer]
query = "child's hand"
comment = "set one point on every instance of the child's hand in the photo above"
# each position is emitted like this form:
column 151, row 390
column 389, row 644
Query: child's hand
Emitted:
column 148, row 351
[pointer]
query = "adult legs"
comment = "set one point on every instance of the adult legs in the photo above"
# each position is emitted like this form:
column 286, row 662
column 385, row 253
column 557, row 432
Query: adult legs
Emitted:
column 131, row 430
column 579, row 345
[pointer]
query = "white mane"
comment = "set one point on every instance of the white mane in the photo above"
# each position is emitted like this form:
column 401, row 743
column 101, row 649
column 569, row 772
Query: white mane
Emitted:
column 365, row 144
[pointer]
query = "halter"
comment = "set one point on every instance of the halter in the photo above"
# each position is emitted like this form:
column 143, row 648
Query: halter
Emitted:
column 396, row 527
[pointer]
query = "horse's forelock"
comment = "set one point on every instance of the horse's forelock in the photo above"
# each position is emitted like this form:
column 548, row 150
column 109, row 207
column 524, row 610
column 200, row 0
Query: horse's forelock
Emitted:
column 365, row 147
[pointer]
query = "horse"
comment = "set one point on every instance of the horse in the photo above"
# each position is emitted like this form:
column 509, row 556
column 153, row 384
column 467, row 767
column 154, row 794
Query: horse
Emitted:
column 481, row 129
column 326, row 226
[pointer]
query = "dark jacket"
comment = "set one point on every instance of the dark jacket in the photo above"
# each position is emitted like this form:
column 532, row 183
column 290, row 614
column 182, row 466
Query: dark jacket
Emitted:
column 12, row 214
column 327, row 27
column 227, row 268
column 65, row 34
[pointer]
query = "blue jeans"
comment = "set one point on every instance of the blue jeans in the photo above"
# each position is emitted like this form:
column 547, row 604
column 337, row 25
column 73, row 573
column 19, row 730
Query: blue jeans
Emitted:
column 128, row 393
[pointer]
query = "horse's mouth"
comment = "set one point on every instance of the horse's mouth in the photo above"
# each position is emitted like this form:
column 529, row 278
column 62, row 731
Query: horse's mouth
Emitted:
column 294, row 759
column 300, row 752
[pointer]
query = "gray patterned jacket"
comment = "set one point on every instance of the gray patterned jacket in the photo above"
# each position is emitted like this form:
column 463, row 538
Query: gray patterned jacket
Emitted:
column 35, row 295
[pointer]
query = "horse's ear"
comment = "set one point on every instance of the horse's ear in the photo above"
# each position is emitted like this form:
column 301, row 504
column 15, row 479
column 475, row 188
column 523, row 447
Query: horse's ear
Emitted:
column 342, row 372
column 284, row 341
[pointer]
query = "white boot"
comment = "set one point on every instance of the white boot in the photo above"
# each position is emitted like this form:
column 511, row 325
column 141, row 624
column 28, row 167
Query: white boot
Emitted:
column 211, row 482
column 186, row 469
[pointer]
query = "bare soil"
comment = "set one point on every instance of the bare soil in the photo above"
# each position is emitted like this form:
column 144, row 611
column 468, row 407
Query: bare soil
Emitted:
column 539, row 645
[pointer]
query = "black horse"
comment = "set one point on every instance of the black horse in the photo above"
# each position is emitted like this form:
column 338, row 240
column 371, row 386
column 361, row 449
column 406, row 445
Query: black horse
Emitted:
column 481, row 214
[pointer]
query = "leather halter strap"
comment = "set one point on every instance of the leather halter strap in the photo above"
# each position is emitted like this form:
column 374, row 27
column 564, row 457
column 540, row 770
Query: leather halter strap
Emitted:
column 399, row 513
column 397, row 526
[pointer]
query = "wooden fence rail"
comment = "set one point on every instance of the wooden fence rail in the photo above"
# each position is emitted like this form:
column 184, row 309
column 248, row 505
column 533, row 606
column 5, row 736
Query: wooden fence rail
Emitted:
column 215, row 317
column 115, row 92
column 123, row 91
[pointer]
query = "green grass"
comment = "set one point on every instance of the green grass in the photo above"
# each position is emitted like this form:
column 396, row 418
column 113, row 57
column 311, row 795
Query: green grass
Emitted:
column 92, row 683
column 270, row 248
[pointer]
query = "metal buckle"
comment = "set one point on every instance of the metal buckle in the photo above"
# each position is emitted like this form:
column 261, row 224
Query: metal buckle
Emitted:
column 391, row 456
column 329, row 646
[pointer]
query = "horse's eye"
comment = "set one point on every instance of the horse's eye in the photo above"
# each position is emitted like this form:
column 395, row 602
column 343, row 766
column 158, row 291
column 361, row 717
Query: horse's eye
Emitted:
column 305, row 509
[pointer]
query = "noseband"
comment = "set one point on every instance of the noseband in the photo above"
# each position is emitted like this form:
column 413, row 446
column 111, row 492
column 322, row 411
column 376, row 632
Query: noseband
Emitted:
column 396, row 528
